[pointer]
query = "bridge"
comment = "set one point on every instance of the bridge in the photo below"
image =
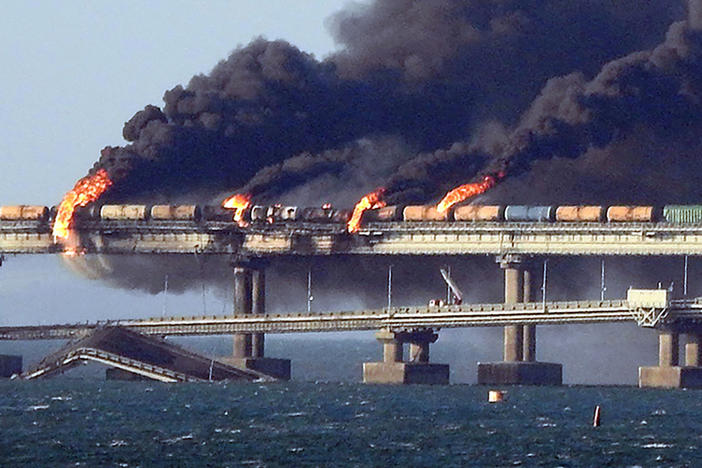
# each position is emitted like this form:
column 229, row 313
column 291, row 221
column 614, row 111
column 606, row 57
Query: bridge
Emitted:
column 134, row 355
column 398, row 238
column 665, row 313
column 513, row 244
column 414, row 325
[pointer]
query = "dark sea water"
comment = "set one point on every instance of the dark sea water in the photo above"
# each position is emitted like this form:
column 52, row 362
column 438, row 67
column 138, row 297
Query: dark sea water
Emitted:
column 91, row 422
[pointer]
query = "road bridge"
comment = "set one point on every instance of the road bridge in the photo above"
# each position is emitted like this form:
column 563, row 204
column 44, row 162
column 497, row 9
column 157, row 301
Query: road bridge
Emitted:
column 414, row 325
column 134, row 354
column 399, row 238
column 674, row 314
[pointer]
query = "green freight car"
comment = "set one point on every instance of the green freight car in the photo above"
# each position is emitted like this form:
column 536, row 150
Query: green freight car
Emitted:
column 683, row 214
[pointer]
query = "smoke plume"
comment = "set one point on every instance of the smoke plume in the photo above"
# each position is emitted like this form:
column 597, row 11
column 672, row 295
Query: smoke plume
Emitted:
column 428, row 75
column 601, row 98
column 585, row 101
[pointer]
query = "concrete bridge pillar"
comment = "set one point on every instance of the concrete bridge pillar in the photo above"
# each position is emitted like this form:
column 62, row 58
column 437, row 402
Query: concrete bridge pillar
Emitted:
column 258, row 307
column 668, row 349
column 519, row 365
column 693, row 350
column 249, row 348
column 514, row 293
column 669, row 373
column 242, row 306
column 529, row 331
column 392, row 347
column 395, row 370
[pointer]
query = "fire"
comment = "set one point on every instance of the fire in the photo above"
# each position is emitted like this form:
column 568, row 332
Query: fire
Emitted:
column 87, row 190
column 466, row 191
column 371, row 201
column 238, row 202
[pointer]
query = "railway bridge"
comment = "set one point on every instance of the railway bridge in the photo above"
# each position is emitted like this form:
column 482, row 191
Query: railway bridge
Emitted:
column 514, row 246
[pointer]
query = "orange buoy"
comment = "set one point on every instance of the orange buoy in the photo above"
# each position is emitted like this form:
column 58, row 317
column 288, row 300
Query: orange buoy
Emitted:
column 495, row 396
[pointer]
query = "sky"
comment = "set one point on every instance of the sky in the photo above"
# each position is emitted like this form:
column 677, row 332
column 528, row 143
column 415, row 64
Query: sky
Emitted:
column 72, row 74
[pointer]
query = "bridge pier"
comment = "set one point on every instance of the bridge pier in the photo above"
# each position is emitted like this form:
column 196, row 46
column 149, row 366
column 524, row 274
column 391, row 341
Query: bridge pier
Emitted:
column 249, row 348
column 669, row 373
column 519, row 365
column 242, row 306
column 394, row 370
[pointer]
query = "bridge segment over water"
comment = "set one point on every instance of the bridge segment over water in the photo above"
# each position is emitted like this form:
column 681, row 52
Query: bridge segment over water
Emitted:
column 661, row 313
column 513, row 244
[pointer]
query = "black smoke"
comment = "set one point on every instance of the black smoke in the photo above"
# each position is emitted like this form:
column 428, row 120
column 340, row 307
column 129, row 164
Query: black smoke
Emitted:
column 427, row 75
column 423, row 96
column 584, row 101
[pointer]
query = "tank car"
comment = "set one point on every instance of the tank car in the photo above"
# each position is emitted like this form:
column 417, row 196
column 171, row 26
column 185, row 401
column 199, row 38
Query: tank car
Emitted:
column 280, row 213
column 522, row 213
column 423, row 213
column 341, row 216
column 88, row 213
column 24, row 213
column 176, row 213
column 640, row 214
column 124, row 212
column 217, row 213
column 479, row 213
column 258, row 213
column 317, row 215
column 288, row 213
column 580, row 213
column 387, row 213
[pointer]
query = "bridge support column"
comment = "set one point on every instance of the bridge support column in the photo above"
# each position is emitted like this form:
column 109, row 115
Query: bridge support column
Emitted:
column 668, row 373
column 529, row 331
column 693, row 350
column 249, row 348
column 258, row 307
column 394, row 370
column 242, row 306
column 519, row 366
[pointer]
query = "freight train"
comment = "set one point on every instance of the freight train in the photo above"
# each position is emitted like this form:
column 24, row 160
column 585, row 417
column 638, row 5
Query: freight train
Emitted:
column 277, row 214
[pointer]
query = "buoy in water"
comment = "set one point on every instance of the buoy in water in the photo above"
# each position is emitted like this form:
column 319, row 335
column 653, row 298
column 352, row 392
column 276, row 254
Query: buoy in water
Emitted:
column 496, row 396
column 596, row 418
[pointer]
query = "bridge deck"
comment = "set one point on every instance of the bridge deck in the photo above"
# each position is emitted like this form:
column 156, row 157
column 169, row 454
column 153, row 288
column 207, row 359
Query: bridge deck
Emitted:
column 468, row 315
column 150, row 357
column 458, row 238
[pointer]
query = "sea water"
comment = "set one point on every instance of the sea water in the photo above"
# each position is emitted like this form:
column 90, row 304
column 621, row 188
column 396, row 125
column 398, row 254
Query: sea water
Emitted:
column 91, row 422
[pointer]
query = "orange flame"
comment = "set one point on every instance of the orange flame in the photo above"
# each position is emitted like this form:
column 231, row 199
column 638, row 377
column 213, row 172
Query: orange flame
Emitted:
column 370, row 201
column 238, row 202
column 466, row 191
column 87, row 190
